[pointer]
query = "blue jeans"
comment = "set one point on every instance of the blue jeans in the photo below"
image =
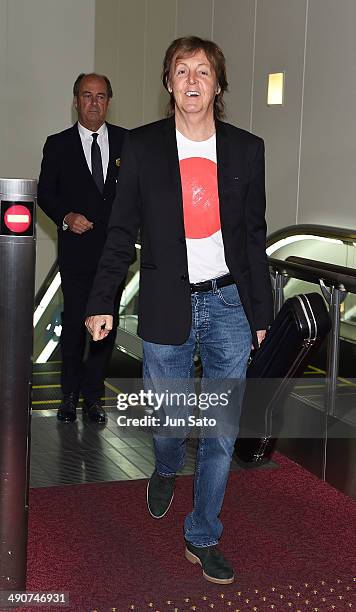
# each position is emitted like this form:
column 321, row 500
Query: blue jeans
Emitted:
column 221, row 331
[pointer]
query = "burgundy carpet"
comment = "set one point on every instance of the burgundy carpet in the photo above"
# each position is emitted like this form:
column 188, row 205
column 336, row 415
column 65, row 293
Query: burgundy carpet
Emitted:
column 292, row 540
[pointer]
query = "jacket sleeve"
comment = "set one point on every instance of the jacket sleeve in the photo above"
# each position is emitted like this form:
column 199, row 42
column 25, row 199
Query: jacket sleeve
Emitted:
column 48, row 183
column 119, row 250
column 262, row 303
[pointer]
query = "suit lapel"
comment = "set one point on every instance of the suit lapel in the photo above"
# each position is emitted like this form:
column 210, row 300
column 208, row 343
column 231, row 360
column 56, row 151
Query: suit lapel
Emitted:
column 79, row 153
column 222, row 157
column 224, row 164
column 171, row 153
column 110, row 174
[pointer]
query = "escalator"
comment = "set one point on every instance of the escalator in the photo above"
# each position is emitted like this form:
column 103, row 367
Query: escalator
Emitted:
column 330, row 245
column 127, row 355
column 331, row 455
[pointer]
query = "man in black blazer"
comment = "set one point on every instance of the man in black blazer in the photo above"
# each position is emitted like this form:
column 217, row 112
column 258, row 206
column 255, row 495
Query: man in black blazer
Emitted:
column 76, row 189
column 194, row 186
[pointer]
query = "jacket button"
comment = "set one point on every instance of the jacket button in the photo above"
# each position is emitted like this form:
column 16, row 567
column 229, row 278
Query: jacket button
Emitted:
column 184, row 277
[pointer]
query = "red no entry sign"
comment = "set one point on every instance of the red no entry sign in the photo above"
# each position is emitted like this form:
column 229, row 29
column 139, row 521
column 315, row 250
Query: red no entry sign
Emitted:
column 17, row 218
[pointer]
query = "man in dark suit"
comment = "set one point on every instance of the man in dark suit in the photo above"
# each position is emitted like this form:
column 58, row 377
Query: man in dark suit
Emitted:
column 76, row 189
column 194, row 186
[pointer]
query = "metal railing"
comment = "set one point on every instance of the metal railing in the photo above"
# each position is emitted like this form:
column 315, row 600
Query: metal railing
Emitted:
column 346, row 235
column 335, row 283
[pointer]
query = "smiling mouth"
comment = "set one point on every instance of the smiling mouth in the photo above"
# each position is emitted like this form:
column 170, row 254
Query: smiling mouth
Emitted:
column 192, row 94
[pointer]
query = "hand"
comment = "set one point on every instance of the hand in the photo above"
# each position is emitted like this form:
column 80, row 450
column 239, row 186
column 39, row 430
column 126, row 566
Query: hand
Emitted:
column 77, row 223
column 261, row 334
column 99, row 326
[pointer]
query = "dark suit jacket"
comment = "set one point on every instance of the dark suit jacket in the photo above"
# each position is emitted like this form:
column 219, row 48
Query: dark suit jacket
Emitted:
column 149, row 198
column 66, row 185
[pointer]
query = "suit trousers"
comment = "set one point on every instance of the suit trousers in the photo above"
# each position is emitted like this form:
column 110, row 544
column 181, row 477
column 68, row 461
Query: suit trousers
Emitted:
column 78, row 376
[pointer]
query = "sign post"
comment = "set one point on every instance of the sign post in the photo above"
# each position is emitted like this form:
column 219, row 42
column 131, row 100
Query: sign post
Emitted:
column 17, row 276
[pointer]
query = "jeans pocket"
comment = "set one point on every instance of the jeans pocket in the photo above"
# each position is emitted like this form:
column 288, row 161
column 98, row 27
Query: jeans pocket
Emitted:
column 229, row 296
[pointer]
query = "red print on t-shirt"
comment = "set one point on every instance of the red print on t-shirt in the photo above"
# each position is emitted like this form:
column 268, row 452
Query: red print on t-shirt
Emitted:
column 200, row 197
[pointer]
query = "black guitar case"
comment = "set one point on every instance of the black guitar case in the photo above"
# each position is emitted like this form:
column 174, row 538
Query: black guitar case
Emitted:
column 298, row 329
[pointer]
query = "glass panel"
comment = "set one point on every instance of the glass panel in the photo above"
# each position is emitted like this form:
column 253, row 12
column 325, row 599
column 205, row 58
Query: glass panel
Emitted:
column 320, row 248
column 341, row 252
column 129, row 299
column 47, row 321
column 47, row 316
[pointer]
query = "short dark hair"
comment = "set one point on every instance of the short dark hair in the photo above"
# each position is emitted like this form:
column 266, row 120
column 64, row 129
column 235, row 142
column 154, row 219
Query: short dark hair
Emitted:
column 189, row 45
column 81, row 76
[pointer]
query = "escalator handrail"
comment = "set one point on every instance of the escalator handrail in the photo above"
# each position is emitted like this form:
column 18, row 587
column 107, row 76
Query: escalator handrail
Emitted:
column 346, row 235
column 313, row 271
column 46, row 283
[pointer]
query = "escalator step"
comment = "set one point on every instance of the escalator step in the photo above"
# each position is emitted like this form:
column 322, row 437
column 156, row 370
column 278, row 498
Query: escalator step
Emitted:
column 41, row 379
column 47, row 367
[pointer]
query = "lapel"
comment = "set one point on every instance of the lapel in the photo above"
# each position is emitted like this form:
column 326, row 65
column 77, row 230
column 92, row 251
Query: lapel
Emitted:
column 223, row 163
column 80, row 156
column 171, row 152
column 112, row 168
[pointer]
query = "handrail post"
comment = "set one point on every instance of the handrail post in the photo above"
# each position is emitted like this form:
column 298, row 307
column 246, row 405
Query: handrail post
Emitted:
column 334, row 296
column 279, row 282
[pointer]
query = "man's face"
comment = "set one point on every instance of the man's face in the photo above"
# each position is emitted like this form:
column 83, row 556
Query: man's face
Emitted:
column 92, row 102
column 193, row 83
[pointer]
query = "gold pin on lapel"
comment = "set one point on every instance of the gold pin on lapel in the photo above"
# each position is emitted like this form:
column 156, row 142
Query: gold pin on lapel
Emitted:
column 118, row 161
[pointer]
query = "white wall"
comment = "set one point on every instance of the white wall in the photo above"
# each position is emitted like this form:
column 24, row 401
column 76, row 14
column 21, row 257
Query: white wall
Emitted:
column 310, row 141
column 44, row 45
column 328, row 147
column 280, row 47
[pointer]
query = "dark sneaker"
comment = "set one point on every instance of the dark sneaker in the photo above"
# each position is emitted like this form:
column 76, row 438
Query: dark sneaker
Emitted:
column 160, row 492
column 215, row 567
column 67, row 411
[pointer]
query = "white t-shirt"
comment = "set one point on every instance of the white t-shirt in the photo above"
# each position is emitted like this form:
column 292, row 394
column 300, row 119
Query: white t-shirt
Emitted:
column 198, row 172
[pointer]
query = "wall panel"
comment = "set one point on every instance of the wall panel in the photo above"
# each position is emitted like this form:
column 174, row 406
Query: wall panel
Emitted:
column 159, row 34
column 328, row 153
column 280, row 35
column 43, row 63
column 233, row 28
column 195, row 17
column 44, row 45
column 106, row 48
column 130, row 70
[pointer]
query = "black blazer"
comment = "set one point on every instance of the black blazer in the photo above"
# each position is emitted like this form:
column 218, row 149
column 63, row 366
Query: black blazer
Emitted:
column 66, row 184
column 149, row 198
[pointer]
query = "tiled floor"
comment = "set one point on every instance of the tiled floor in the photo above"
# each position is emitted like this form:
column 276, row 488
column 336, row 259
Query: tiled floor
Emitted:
column 85, row 452
column 80, row 452
column 66, row 453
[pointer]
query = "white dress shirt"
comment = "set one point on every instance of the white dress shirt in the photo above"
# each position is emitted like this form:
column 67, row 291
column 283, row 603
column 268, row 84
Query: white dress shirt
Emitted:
column 102, row 140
